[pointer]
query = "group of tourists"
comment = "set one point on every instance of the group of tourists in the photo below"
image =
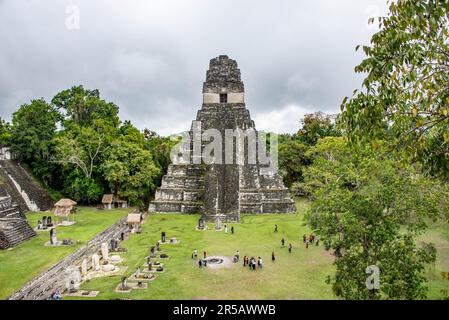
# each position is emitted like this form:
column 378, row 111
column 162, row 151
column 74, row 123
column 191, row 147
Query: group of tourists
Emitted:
column 252, row 263
column 311, row 239
column 201, row 262
column 290, row 246
column 195, row 254
column 226, row 229
column 307, row 240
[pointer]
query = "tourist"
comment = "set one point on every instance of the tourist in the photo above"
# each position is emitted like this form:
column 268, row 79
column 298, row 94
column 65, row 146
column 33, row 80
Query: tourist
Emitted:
column 244, row 261
column 56, row 295
column 237, row 255
column 200, row 263
column 275, row 228
column 254, row 263
column 273, row 258
column 317, row 242
column 290, row 248
column 232, row 229
column 304, row 238
column 195, row 254
column 204, row 255
column 259, row 263
column 283, row 242
column 307, row 245
column 226, row 228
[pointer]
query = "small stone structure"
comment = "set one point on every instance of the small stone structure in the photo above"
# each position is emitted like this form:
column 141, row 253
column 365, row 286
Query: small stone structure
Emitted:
column 110, row 201
column 106, row 201
column 222, row 189
column 134, row 220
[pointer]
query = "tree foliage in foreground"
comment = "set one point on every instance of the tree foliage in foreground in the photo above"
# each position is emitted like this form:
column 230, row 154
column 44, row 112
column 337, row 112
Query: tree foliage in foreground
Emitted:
column 368, row 209
column 406, row 96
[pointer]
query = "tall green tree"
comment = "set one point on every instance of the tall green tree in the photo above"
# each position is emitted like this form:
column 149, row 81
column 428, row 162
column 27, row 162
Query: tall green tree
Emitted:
column 80, row 149
column 368, row 209
column 33, row 128
column 84, row 107
column 89, row 128
column 130, row 171
column 405, row 96
column 292, row 159
column 160, row 149
column 5, row 133
column 317, row 125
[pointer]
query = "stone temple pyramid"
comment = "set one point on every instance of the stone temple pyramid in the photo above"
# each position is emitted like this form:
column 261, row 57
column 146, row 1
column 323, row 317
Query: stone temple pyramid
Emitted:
column 223, row 189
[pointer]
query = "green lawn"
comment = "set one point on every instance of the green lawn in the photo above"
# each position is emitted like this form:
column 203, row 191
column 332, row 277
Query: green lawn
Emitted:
column 29, row 259
column 438, row 233
column 300, row 275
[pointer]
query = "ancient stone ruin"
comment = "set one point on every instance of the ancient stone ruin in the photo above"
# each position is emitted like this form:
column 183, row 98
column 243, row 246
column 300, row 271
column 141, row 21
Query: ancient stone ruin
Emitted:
column 222, row 190
column 25, row 191
column 14, row 228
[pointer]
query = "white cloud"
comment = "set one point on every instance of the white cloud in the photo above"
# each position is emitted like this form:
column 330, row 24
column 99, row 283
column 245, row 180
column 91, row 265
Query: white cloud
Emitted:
column 285, row 120
column 150, row 57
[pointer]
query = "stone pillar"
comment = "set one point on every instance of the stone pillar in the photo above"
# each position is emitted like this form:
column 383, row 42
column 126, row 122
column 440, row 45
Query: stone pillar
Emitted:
column 105, row 251
column 96, row 262
column 84, row 267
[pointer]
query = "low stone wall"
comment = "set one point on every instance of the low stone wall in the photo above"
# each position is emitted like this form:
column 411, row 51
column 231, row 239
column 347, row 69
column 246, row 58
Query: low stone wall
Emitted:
column 44, row 285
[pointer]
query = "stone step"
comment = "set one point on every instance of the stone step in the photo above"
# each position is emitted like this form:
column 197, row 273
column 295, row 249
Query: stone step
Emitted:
column 176, row 206
column 34, row 191
column 14, row 231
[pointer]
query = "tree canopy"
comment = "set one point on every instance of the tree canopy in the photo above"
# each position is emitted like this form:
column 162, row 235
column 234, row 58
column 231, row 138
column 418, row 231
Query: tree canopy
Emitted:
column 405, row 100
column 368, row 207
column 77, row 146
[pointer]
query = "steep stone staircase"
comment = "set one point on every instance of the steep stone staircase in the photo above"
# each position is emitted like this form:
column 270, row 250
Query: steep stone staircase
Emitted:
column 26, row 191
column 14, row 231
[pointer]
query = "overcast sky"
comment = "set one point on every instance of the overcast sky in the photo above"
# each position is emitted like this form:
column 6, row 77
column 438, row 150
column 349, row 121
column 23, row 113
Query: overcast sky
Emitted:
column 150, row 57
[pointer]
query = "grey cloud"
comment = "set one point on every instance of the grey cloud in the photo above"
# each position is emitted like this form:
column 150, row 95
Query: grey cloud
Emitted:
column 151, row 57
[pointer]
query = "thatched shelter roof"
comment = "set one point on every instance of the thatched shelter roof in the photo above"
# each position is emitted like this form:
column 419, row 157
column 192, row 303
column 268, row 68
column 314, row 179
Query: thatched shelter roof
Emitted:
column 65, row 203
column 133, row 218
column 64, row 207
column 107, row 198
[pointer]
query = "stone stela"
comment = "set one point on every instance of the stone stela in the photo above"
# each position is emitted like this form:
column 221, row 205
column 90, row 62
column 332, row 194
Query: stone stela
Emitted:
column 224, row 190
